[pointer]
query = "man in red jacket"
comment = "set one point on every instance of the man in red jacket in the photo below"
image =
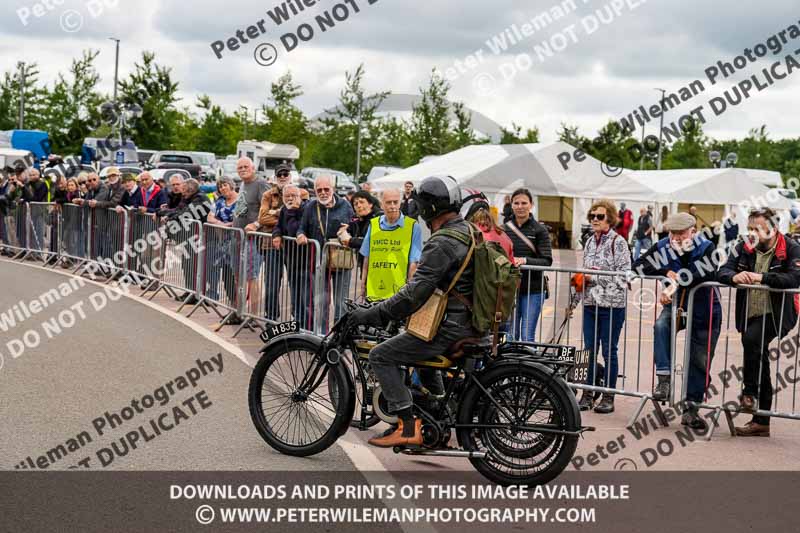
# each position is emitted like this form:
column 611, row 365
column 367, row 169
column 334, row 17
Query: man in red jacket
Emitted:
column 625, row 221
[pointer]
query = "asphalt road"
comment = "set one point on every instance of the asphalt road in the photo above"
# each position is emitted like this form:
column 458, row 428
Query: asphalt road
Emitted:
column 55, row 391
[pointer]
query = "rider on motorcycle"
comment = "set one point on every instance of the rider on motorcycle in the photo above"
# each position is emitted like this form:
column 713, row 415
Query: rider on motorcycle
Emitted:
column 439, row 200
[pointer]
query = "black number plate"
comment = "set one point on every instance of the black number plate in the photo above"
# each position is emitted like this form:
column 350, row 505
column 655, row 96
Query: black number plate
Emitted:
column 580, row 371
column 270, row 332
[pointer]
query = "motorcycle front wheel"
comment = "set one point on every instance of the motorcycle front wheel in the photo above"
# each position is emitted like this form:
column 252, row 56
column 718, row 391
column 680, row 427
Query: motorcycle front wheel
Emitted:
column 299, row 403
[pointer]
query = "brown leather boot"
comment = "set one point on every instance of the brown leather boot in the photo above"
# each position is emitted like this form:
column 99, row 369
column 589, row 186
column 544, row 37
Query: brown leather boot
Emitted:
column 751, row 429
column 397, row 438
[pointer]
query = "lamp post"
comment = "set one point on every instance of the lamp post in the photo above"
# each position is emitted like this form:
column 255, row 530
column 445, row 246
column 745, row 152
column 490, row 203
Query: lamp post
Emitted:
column 715, row 158
column 661, row 128
column 21, row 66
column 358, row 141
column 116, row 68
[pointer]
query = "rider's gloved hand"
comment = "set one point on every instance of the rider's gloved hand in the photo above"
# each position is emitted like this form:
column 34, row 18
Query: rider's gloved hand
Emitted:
column 364, row 316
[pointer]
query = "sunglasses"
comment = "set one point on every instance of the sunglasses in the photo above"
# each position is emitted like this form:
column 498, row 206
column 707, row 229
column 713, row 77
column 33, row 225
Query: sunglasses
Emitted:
column 92, row 180
column 324, row 190
column 597, row 216
column 282, row 174
column 82, row 183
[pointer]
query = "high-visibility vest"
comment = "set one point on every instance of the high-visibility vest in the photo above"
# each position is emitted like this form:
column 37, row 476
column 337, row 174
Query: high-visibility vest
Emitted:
column 389, row 251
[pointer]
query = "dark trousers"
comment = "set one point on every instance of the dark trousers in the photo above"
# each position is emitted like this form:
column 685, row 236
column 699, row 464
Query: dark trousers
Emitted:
column 273, row 274
column 756, row 337
column 405, row 348
column 300, row 277
column 703, row 343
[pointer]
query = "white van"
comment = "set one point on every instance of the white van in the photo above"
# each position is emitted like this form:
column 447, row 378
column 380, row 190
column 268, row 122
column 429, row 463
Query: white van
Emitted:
column 267, row 156
column 12, row 158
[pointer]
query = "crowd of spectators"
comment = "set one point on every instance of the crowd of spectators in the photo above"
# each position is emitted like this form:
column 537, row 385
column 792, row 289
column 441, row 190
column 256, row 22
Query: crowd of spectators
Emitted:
column 287, row 237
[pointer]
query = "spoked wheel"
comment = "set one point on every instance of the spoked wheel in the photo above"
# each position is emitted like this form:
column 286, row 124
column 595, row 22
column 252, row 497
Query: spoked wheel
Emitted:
column 364, row 389
column 523, row 396
column 299, row 404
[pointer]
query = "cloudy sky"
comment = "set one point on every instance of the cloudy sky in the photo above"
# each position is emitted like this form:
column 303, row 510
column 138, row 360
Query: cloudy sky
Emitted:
column 598, row 70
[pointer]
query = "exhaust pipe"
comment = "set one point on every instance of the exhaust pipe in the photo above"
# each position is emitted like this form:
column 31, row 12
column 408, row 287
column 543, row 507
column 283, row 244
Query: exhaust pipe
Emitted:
column 444, row 453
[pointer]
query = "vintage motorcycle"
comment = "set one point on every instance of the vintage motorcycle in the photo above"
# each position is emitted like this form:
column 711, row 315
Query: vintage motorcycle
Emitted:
column 513, row 415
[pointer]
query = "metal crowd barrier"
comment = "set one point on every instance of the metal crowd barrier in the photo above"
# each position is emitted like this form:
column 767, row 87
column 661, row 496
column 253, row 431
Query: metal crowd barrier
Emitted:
column 15, row 236
column 107, row 238
column 337, row 280
column 182, row 258
column 146, row 250
column 730, row 367
column 220, row 271
column 73, row 235
column 42, row 229
column 562, row 321
column 283, row 285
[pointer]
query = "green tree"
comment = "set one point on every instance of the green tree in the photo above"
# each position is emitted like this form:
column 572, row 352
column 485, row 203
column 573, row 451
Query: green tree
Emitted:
column 515, row 136
column 286, row 123
column 34, row 95
column 71, row 110
column 336, row 143
column 150, row 86
column 430, row 119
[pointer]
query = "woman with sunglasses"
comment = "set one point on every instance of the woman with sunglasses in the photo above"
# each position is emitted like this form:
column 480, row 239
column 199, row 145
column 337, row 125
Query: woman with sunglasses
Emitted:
column 604, row 299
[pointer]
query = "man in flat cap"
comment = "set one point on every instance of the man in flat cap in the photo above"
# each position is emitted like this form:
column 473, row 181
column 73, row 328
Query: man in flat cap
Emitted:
column 687, row 258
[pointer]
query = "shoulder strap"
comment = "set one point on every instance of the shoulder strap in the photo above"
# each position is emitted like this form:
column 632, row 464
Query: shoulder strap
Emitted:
column 464, row 264
column 319, row 221
column 522, row 236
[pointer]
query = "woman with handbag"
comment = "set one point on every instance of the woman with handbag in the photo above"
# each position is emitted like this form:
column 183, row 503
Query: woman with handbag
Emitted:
column 532, row 247
column 604, row 299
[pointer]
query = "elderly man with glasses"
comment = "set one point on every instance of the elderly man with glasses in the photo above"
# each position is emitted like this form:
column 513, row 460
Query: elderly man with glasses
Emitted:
column 687, row 258
column 322, row 219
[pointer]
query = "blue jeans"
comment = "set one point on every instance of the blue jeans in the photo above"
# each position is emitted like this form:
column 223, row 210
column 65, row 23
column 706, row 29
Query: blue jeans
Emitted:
column 598, row 323
column 701, row 356
column 641, row 245
column 526, row 316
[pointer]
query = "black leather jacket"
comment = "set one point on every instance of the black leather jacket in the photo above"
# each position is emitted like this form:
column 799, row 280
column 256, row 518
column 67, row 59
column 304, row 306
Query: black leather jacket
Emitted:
column 442, row 256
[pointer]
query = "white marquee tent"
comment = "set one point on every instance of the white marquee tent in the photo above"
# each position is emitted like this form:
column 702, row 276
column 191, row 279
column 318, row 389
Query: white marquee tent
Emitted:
column 497, row 170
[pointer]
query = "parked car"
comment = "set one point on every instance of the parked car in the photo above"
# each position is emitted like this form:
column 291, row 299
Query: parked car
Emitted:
column 379, row 172
column 145, row 156
column 179, row 160
column 122, row 170
column 167, row 173
column 208, row 164
column 341, row 181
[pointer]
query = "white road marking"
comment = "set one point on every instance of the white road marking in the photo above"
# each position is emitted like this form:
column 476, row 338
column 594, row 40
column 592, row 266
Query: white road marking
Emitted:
column 363, row 458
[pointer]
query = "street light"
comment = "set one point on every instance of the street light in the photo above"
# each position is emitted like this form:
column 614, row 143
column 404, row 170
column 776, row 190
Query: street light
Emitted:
column 661, row 128
column 731, row 159
column 116, row 68
column 715, row 158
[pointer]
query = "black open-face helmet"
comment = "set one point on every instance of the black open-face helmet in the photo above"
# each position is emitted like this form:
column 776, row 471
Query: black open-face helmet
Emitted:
column 437, row 195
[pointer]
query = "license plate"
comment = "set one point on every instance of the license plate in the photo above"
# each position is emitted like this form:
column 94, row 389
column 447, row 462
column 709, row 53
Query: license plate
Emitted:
column 270, row 332
column 564, row 353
